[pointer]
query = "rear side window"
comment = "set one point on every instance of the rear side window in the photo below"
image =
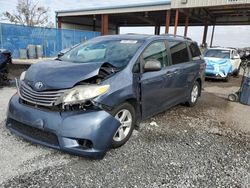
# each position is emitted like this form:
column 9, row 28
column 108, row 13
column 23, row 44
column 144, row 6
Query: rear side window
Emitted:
column 179, row 52
column 195, row 51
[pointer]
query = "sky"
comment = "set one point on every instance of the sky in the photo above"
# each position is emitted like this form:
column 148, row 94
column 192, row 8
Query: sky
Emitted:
column 228, row 36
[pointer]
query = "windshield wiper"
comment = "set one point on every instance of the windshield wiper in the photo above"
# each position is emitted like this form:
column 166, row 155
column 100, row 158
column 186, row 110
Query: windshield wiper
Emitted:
column 58, row 59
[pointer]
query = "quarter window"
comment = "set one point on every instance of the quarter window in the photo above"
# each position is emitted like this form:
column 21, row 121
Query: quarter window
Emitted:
column 136, row 67
column 179, row 52
column 195, row 51
column 156, row 51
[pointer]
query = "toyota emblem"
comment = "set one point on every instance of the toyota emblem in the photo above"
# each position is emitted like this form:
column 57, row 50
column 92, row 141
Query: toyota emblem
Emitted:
column 38, row 85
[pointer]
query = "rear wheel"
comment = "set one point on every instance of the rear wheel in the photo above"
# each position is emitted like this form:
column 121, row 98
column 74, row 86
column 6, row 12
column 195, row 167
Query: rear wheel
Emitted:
column 125, row 114
column 194, row 94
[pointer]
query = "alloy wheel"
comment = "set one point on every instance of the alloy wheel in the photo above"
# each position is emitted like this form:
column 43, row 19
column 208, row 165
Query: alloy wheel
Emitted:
column 194, row 93
column 125, row 118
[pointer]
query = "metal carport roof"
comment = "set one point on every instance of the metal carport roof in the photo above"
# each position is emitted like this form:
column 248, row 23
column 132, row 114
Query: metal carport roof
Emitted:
column 109, row 18
column 119, row 8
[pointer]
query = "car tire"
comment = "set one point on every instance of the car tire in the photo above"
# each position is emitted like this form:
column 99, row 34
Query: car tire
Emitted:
column 125, row 113
column 226, row 79
column 194, row 94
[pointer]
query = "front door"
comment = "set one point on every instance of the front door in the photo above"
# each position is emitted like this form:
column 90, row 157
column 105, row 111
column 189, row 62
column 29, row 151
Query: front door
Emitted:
column 156, row 86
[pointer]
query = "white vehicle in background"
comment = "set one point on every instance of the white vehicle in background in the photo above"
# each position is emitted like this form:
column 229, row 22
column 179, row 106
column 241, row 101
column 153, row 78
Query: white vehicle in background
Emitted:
column 222, row 62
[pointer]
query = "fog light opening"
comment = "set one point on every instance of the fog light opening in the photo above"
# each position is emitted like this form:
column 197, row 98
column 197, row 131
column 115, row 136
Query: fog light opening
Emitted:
column 85, row 143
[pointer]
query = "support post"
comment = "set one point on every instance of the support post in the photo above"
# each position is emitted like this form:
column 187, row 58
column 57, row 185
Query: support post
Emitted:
column 176, row 21
column 1, row 35
column 157, row 30
column 168, row 18
column 212, row 37
column 204, row 40
column 186, row 22
column 94, row 24
column 105, row 24
column 117, row 29
column 59, row 22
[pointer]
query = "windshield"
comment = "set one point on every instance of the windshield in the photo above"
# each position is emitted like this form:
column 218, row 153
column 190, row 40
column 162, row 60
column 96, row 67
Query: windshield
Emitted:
column 116, row 52
column 223, row 54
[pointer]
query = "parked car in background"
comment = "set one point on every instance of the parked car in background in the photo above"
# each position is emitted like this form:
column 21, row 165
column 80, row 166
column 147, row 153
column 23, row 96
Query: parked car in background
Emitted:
column 5, row 58
column 222, row 62
column 91, row 98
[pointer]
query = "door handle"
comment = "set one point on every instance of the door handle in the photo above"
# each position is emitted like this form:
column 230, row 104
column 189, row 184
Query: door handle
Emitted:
column 171, row 73
column 177, row 71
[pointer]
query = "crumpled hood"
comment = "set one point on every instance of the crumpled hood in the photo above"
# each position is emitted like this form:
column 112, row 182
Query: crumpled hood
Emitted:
column 216, row 61
column 60, row 74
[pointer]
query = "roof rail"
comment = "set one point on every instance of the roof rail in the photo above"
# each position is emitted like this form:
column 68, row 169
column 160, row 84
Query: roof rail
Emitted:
column 136, row 34
column 131, row 34
column 179, row 36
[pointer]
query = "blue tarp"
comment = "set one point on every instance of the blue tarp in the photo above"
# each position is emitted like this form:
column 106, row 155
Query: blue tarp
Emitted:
column 218, row 67
column 15, row 37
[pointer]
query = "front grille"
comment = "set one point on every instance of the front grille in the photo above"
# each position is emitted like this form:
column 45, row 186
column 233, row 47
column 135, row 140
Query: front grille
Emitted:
column 43, row 98
column 34, row 133
column 57, row 108
column 212, row 75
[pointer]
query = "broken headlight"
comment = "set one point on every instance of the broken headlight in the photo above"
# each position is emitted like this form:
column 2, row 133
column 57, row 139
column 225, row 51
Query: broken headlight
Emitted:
column 80, row 94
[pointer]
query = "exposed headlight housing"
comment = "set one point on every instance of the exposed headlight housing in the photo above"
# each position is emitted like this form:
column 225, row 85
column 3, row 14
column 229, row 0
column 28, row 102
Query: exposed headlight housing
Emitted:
column 80, row 94
column 22, row 76
column 18, row 82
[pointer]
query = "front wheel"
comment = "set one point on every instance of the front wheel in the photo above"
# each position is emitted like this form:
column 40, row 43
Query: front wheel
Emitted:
column 194, row 94
column 227, row 78
column 125, row 114
column 237, row 72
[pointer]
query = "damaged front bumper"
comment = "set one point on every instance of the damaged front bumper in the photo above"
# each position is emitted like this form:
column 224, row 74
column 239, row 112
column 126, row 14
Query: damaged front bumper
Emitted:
column 218, row 70
column 85, row 133
column 216, row 74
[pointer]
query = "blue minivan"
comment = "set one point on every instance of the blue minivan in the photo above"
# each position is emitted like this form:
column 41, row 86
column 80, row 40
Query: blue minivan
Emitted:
column 91, row 98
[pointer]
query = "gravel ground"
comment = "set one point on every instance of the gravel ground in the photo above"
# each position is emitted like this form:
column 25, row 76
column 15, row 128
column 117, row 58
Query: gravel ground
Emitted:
column 204, row 146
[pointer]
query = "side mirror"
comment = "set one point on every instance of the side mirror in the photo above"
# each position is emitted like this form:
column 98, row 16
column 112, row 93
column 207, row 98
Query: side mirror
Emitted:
column 152, row 65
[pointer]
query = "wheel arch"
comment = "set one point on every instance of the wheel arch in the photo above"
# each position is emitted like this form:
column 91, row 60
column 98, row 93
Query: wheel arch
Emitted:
column 200, row 83
column 136, row 104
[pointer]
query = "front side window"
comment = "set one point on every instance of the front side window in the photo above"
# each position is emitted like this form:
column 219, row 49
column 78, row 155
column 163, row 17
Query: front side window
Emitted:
column 235, row 54
column 114, row 51
column 223, row 54
column 179, row 52
column 156, row 51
